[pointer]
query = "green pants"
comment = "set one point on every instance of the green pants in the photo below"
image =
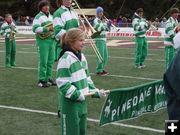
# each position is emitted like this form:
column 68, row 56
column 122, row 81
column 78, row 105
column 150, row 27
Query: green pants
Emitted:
column 169, row 55
column 141, row 50
column 10, row 52
column 102, row 48
column 57, row 50
column 73, row 117
column 46, row 52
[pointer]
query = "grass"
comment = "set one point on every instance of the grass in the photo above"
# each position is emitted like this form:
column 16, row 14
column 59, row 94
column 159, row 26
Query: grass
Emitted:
column 18, row 88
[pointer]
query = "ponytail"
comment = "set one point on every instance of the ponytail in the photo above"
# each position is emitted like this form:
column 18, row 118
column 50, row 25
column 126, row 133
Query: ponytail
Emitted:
column 59, row 3
column 63, row 42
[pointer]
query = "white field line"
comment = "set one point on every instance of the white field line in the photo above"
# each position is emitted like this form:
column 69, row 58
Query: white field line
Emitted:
column 128, row 43
column 117, row 76
column 113, row 57
column 89, row 119
column 19, row 40
column 129, row 58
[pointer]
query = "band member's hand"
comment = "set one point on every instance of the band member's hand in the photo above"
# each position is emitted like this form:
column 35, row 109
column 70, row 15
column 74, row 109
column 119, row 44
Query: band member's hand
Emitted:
column 50, row 28
column 102, row 93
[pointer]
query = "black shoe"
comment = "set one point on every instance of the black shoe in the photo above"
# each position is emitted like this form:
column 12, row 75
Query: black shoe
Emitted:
column 51, row 82
column 105, row 73
column 59, row 114
column 43, row 84
column 99, row 73
column 142, row 65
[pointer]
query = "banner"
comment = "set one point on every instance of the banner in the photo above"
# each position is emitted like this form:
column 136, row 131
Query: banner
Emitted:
column 123, row 32
column 129, row 32
column 25, row 30
column 132, row 102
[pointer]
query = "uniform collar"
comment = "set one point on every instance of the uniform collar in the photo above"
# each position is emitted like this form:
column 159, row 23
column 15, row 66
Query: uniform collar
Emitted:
column 75, row 55
column 63, row 7
column 45, row 13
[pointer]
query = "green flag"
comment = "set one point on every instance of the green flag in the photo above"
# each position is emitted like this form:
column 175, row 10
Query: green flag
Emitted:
column 126, row 103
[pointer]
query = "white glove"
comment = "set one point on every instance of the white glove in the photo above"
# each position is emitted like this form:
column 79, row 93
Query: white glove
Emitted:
column 102, row 93
column 81, row 97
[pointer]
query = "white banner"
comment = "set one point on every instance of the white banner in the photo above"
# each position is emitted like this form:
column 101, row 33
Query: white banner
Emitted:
column 122, row 32
column 24, row 30
column 129, row 32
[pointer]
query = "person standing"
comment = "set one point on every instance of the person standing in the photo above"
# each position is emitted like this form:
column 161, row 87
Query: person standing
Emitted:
column 101, row 26
column 64, row 18
column 8, row 30
column 169, row 35
column 42, row 26
column 74, row 82
column 140, row 26
column 172, row 87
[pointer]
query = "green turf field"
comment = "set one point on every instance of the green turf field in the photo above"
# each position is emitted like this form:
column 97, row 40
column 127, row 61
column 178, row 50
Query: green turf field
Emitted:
column 18, row 89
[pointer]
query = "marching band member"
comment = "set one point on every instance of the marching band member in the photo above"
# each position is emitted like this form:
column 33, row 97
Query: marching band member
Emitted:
column 169, row 35
column 64, row 19
column 140, row 26
column 74, row 83
column 42, row 26
column 101, row 26
column 8, row 30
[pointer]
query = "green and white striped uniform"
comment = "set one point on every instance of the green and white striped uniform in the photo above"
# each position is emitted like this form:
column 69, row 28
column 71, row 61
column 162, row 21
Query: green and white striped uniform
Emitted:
column 10, row 44
column 64, row 19
column 45, row 47
column 100, row 26
column 140, row 26
column 73, row 76
column 73, row 80
column 168, row 40
column 6, row 29
column 169, row 31
column 39, row 23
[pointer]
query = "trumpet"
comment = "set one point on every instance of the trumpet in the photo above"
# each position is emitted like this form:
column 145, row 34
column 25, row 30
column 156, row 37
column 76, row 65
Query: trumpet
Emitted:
column 12, row 34
column 45, row 35
column 90, row 36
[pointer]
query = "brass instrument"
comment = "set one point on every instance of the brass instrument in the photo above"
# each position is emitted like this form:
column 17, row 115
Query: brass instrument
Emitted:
column 152, row 27
column 45, row 35
column 94, row 32
column 12, row 33
column 107, row 20
column 90, row 36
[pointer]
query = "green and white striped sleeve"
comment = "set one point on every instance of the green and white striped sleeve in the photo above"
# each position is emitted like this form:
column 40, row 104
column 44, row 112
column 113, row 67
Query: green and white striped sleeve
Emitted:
column 37, row 28
column 98, row 25
column 5, row 30
column 63, row 80
column 91, row 85
column 169, row 29
column 59, row 25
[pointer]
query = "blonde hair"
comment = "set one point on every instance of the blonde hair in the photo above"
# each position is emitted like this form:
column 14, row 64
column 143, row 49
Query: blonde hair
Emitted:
column 70, row 37
column 7, row 15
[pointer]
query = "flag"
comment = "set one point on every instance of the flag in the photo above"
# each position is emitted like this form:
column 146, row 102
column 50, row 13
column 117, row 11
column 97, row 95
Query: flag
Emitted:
column 127, row 103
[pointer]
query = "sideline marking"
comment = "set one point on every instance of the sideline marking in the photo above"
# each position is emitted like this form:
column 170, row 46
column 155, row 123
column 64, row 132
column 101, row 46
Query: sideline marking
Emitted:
column 89, row 119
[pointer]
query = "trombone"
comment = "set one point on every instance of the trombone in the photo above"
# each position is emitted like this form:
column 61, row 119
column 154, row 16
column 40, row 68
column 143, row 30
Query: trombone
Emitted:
column 107, row 20
column 88, row 36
